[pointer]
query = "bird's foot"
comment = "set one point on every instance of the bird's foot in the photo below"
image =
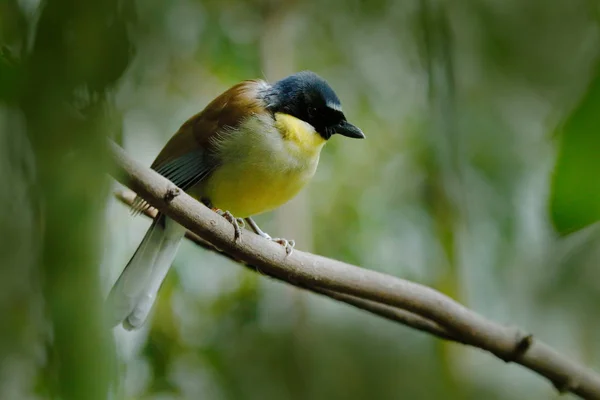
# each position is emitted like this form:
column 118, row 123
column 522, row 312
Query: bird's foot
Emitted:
column 238, row 223
column 287, row 244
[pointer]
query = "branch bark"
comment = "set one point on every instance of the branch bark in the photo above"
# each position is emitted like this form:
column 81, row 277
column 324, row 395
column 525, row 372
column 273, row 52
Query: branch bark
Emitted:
column 379, row 293
column 391, row 313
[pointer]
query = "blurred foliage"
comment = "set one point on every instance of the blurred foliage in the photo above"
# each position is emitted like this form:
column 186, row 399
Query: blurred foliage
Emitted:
column 576, row 187
column 57, row 87
column 457, row 186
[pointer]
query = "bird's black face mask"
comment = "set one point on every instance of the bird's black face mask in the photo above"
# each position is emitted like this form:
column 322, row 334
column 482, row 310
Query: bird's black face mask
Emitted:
column 309, row 97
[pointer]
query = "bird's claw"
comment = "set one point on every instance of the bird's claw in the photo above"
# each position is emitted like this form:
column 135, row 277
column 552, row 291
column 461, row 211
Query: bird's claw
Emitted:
column 287, row 244
column 238, row 223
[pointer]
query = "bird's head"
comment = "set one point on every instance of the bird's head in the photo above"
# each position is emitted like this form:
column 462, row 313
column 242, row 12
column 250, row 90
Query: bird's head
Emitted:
column 309, row 97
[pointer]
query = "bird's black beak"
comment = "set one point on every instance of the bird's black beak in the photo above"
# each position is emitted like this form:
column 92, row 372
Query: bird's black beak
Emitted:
column 345, row 128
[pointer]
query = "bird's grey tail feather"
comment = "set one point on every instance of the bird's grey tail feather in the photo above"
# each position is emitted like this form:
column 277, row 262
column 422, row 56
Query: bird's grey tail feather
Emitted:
column 132, row 296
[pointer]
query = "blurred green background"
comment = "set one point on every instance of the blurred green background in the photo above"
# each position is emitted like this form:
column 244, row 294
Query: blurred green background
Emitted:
column 479, row 177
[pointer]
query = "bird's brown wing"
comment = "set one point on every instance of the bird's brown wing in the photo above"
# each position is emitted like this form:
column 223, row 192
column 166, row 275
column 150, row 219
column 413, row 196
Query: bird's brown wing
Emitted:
column 188, row 157
column 223, row 114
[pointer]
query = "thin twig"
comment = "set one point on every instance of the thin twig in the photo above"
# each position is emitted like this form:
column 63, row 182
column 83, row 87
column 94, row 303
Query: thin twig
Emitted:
column 392, row 313
column 315, row 271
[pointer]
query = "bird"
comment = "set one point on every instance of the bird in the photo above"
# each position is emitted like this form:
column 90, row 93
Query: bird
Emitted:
column 249, row 151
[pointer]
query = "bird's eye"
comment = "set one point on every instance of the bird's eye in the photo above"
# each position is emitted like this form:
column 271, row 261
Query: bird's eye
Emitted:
column 312, row 111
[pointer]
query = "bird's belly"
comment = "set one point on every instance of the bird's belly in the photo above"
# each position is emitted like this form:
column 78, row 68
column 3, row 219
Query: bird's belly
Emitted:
column 245, row 189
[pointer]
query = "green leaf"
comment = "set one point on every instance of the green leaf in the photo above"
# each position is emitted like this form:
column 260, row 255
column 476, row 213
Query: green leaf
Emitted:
column 575, row 197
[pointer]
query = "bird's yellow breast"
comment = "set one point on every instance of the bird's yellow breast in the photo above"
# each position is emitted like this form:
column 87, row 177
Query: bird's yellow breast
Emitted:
column 264, row 164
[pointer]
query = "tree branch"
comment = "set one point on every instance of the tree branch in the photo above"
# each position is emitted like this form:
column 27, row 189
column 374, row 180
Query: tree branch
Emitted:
column 313, row 271
column 394, row 314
